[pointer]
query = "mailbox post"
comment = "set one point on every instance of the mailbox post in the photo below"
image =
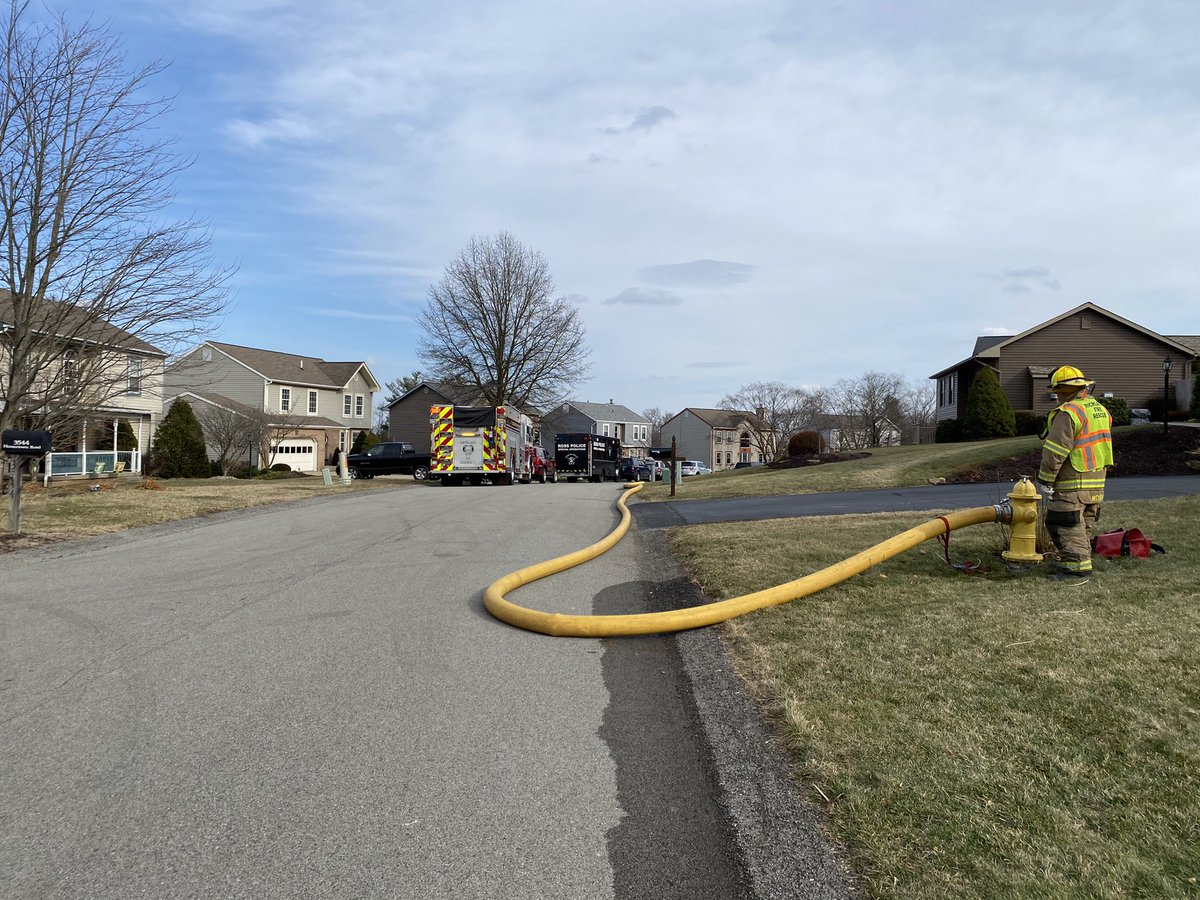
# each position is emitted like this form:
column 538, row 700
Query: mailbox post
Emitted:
column 22, row 445
column 670, row 455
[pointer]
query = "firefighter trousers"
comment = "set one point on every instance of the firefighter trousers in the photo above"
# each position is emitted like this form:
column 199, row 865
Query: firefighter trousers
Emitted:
column 1071, row 517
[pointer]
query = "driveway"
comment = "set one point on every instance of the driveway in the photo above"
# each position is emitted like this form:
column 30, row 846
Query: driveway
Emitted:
column 310, row 701
column 946, row 496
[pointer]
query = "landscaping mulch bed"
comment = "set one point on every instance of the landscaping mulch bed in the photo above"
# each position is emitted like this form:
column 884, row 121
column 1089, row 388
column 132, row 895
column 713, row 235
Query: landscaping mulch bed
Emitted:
column 1146, row 451
column 815, row 459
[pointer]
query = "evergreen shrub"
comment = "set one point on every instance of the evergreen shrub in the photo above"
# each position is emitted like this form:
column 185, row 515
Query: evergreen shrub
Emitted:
column 949, row 431
column 989, row 414
column 1117, row 408
column 178, row 447
column 1029, row 422
column 364, row 441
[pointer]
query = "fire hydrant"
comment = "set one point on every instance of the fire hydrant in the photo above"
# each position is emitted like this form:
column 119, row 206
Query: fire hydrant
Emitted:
column 1022, row 544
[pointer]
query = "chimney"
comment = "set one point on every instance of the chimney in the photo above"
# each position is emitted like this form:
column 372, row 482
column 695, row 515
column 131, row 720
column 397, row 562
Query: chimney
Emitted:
column 761, row 412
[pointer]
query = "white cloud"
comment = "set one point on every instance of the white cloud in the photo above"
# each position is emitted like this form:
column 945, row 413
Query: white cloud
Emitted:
column 255, row 135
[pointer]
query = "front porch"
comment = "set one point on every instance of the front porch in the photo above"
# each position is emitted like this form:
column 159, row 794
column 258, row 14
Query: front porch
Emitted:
column 91, row 463
column 102, row 445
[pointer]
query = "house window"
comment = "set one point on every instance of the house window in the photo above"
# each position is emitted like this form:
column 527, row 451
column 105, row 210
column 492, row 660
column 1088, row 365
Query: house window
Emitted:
column 206, row 354
column 342, row 437
column 358, row 406
column 744, row 440
column 285, row 399
column 946, row 389
column 135, row 375
column 70, row 368
column 312, row 403
column 604, row 429
column 347, row 405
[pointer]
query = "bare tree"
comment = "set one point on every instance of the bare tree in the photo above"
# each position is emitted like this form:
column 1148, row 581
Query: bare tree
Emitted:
column 916, row 404
column 271, row 427
column 861, row 407
column 97, row 285
column 657, row 418
column 227, row 432
column 493, row 323
column 775, row 410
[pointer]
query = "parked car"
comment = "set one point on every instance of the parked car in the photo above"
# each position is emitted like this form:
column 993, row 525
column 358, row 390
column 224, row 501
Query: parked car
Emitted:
column 658, row 468
column 694, row 467
column 389, row 458
column 633, row 469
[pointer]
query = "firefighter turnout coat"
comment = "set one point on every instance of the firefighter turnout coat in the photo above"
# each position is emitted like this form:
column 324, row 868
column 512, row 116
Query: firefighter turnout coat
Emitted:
column 1077, row 448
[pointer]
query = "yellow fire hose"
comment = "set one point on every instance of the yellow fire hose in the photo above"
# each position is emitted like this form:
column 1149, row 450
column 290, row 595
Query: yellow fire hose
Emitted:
column 560, row 625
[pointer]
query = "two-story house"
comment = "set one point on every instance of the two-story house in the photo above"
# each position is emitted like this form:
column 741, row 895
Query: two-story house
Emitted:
column 610, row 419
column 719, row 438
column 87, row 381
column 317, row 407
column 1125, row 359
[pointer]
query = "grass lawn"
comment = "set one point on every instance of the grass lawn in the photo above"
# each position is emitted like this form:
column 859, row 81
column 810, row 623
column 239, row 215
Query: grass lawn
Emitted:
column 995, row 735
column 885, row 467
column 65, row 510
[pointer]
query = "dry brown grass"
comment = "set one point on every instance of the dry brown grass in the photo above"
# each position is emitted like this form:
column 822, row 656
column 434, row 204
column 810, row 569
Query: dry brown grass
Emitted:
column 66, row 510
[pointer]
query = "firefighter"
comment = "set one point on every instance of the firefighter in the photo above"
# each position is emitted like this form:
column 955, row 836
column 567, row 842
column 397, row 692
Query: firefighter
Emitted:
column 1076, row 452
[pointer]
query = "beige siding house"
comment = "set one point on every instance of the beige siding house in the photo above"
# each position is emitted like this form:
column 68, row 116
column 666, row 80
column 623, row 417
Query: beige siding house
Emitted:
column 719, row 438
column 318, row 406
column 118, row 383
column 1125, row 360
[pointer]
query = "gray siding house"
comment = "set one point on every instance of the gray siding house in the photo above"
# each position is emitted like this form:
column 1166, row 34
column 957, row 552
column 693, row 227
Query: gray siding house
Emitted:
column 321, row 406
column 408, row 414
column 611, row 419
column 719, row 438
column 1125, row 359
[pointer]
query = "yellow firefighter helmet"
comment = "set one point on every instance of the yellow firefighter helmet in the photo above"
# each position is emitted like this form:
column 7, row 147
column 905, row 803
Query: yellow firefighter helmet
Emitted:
column 1068, row 376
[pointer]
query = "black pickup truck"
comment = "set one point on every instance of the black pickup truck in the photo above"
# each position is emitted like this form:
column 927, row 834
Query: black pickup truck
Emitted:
column 389, row 458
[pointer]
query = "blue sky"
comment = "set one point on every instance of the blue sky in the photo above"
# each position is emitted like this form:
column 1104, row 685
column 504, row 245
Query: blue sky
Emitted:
column 730, row 192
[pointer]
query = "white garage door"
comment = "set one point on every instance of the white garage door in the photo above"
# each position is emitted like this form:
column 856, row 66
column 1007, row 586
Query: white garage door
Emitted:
column 298, row 453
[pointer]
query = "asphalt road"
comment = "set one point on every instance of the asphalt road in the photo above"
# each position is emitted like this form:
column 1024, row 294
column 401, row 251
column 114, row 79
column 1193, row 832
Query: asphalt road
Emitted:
column 945, row 496
column 310, row 701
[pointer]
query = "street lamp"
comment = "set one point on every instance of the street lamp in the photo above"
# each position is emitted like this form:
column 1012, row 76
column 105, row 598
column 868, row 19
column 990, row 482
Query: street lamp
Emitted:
column 1166, row 389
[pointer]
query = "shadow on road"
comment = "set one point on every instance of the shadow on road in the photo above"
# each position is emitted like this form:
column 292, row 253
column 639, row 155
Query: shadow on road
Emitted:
column 674, row 840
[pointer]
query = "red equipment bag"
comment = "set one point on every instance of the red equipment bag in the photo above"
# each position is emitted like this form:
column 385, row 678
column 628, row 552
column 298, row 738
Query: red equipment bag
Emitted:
column 1124, row 542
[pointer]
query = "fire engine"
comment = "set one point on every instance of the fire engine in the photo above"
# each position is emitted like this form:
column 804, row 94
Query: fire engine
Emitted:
column 473, row 443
